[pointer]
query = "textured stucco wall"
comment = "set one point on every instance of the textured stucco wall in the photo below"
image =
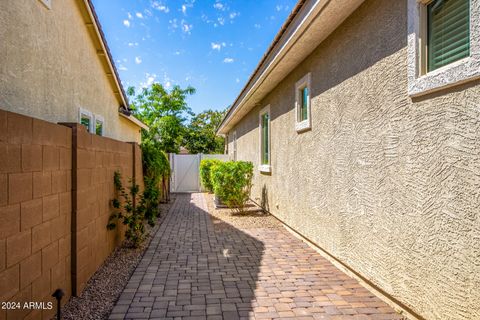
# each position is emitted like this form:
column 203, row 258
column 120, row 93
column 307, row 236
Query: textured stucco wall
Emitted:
column 388, row 185
column 49, row 67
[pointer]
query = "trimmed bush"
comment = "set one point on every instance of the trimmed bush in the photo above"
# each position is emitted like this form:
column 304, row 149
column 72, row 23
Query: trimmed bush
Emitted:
column 232, row 183
column 205, row 168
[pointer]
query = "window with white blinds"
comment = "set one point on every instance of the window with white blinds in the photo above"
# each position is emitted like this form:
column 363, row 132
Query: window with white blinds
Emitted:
column 448, row 32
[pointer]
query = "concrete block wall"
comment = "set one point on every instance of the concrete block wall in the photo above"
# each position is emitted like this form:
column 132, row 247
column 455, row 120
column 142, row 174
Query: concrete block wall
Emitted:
column 98, row 159
column 54, row 179
column 35, row 184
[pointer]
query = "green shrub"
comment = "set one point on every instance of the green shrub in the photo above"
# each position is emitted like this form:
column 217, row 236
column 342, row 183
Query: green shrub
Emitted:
column 156, row 170
column 205, row 168
column 232, row 183
column 155, row 161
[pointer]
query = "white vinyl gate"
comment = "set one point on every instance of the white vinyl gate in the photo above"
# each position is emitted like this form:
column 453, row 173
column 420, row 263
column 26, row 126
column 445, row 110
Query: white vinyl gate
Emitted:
column 185, row 170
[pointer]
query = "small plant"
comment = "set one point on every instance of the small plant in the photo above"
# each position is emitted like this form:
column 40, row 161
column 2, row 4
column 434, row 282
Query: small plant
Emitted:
column 205, row 168
column 232, row 183
column 130, row 204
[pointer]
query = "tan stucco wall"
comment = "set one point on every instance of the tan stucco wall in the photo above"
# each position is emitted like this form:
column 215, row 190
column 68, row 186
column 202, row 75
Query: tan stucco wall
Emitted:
column 50, row 68
column 389, row 186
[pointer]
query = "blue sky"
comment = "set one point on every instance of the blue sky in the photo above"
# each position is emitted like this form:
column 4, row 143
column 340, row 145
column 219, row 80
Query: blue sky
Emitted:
column 213, row 46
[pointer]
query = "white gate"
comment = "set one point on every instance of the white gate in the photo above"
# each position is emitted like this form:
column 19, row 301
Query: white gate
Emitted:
column 185, row 170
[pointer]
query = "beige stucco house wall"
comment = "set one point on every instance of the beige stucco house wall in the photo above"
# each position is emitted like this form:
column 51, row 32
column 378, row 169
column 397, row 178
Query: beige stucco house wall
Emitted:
column 53, row 62
column 386, row 183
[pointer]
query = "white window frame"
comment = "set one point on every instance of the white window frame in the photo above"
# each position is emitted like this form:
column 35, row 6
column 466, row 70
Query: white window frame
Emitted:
column 305, row 82
column 88, row 114
column 267, row 168
column 47, row 3
column 234, row 141
column 458, row 72
column 99, row 119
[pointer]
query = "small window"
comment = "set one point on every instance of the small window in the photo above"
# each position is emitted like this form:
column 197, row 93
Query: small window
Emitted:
column 235, row 145
column 448, row 32
column 86, row 119
column 264, row 126
column 99, row 124
column 302, row 104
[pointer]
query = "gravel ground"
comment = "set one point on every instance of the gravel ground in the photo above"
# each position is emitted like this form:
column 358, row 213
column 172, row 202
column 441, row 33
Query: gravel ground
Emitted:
column 103, row 289
column 250, row 220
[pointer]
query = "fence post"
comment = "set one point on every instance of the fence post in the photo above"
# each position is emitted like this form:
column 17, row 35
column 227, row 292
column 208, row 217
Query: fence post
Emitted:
column 73, row 222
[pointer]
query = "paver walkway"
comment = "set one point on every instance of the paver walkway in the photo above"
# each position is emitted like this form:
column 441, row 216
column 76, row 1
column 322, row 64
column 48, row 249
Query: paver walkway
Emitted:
column 195, row 270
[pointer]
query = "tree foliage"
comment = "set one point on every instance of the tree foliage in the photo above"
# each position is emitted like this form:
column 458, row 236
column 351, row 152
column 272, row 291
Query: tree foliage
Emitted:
column 200, row 134
column 156, row 170
column 164, row 111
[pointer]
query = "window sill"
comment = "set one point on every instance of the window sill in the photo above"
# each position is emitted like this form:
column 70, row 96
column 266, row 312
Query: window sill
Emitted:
column 303, row 126
column 265, row 168
column 448, row 76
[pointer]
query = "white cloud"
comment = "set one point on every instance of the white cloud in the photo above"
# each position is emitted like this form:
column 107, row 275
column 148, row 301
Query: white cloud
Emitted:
column 233, row 15
column 129, row 16
column 186, row 5
column 228, row 60
column 177, row 53
column 160, row 7
column 257, row 26
column 133, row 44
column 149, row 80
column 237, row 80
column 167, row 82
column 279, row 7
column 139, row 15
column 219, row 6
column 221, row 21
column 217, row 46
column 186, row 28
column 173, row 24
column 148, row 12
column 126, row 23
column 121, row 67
column 138, row 60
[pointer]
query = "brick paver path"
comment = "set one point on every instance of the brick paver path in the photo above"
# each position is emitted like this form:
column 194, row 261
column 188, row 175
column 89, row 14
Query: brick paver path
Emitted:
column 195, row 270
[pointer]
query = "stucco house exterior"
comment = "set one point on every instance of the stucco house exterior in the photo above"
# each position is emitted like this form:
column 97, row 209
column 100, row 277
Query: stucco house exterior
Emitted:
column 56, row 66
column 362, row 120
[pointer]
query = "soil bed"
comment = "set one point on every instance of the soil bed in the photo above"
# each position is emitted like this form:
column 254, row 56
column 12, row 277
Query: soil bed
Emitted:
column 104, row 288
column 253, row 218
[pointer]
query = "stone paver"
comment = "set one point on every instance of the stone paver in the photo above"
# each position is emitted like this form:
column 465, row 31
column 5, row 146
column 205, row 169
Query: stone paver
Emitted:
column 195, row 270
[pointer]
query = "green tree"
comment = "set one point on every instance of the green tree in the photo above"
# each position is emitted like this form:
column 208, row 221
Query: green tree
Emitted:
column 164, row 111
column 200, row 134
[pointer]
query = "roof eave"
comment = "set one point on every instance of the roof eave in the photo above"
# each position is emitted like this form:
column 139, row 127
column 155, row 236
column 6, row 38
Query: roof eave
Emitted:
column 317, row 18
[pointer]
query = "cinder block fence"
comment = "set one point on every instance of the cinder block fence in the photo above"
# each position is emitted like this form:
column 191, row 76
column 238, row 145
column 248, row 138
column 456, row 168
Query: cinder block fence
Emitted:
column 56, row 187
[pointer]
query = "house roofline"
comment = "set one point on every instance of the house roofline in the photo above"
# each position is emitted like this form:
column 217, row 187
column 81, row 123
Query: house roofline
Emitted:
column 270, row 48
column 310, row 22
column 108, row 61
